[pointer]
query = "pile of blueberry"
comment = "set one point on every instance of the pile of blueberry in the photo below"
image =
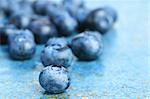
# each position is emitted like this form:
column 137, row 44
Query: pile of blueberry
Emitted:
column 25, row 23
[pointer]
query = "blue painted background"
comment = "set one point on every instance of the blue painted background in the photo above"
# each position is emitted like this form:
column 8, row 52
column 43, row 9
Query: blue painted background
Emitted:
column 122, row 72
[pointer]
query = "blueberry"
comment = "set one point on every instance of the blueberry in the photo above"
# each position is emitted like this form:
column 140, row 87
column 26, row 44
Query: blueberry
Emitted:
column 25, row 7
column 87, row 45
column 57, row 54
column 78, row 11
column 54, row 79
column 66, row 24
column 21, row 46
column 95, row 34
column 5, row 31
column 40, row 6
column 75, row 3
column 101, row 19
column 26, row 33
column 81, row 15
column 76, row 8
column 55, row 41
column 43, row 29
column 7, row 8
column 112, row 13
column 2, row 34
column 18, row 6
column 20, row 20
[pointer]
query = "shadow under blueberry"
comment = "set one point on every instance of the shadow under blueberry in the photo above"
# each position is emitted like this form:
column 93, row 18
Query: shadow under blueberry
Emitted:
column 4, row 48
column 27, row 64
column 4, row 51
column 63, row 95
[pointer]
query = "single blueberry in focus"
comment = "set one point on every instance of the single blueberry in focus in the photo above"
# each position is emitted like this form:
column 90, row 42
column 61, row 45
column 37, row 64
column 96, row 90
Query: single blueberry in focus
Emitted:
column 87, row 45
column 21, row 46
column 43, row 29
column 64, row 22
column 57, row 53
column 101, row 19
column 54, row 79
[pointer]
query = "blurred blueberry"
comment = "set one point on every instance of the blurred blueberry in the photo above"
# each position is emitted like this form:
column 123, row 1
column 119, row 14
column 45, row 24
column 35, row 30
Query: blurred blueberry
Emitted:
column 57, row 54
column 112, row 12
column 81, row 16
column 54, row 79
column 22, row 15
column 43, row 29
column 9, row 6
column 21, row 46
column 3, row 36
column 75, row 3
column 66, row 24
column 5, row 31
column 78, row 11
column 26, row 33
column 87, row 45
column 40, row 6
column 20, row 20
column 76, row 8
column 101, row 19
column 25, row 7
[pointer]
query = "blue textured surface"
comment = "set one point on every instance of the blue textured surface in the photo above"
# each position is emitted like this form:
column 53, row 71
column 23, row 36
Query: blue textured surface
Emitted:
column 122, row 71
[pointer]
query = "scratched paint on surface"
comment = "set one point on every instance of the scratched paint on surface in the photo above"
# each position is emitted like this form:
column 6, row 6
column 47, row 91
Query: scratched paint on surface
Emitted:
column 122, row 71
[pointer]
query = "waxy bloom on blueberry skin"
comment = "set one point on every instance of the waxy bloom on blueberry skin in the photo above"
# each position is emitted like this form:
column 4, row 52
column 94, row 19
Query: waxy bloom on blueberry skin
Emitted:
column 54, row 79
column 57, row 53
